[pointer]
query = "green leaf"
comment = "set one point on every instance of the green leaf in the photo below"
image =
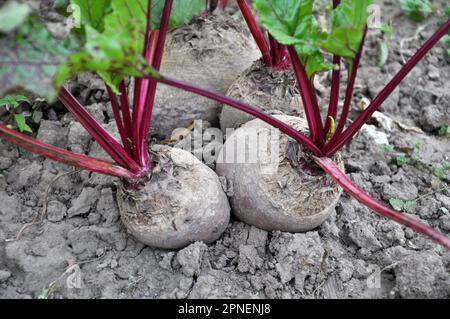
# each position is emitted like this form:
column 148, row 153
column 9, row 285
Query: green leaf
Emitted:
column 440, row 172
column 112, row 55
column 293, row 23
column 13, row 101
column 397, row 204
column 7, row 101
column 117, row 50
column 444, row 130
column 12, row 14
column 30, row 59
column 127, row 16
column 21, row 98
column 287, row 21
column 127, row 12
column 182, row 12
column 417, row 10
column 410, row 207
column 22, row 123
column 315, row 62
column 388, row 148
column 93, row 12
column 401, row 159
column 61, row 4
column 349, row 22
column 446, row 42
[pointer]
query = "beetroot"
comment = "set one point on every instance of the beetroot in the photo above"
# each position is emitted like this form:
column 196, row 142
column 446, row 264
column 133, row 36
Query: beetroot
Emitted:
column 294, row 195
column 212, row 51
column 183, row 202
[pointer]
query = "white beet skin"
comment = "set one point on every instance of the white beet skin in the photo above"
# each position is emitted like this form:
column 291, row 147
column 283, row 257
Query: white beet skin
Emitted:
column 287, row 199
column 210, row 52
column 183, row 202
column 270, row 90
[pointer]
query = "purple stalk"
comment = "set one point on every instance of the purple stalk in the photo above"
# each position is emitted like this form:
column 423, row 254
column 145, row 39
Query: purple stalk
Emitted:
column 136, row 103
column 334, row 95
column 349, row 92
column 288, row 130
column 126, row 114
column 359, row 194
column 118, row 119
column 64, row 156
column 140, row 89
column 211, row 5
column 308, row 97
column 149, row 56
column 144, row 128
column 335, row 84
column 256, row 31
column 148, row 42
column 143, row 92
column 103, row 137
column 223, row 4
column 280, row 54
column 148, row 28
column 332, row 148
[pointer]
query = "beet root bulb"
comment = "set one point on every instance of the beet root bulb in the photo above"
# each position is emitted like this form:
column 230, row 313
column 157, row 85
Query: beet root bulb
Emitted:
column 183, row 202
column 281, row 188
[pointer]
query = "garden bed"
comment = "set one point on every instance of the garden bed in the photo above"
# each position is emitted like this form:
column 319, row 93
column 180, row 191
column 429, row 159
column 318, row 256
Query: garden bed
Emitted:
column 82, row 250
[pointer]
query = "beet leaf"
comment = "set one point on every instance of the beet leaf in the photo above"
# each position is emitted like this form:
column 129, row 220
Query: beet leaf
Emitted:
column 292, row 23
column 12, row 14
column 349, row 21
column 30, row 58
column 93, row 12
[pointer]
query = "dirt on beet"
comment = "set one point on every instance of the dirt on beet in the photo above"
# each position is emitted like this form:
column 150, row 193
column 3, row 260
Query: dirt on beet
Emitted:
column 271, row 90
column 80, row 249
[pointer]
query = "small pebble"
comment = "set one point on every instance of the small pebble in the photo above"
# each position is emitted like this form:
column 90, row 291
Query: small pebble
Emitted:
column 433, row 73
column 114, row 263
column 56, row 211
column 98, row 95
column 4, row 275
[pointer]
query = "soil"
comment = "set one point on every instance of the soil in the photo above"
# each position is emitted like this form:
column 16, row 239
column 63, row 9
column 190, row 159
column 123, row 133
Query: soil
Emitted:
column 81, row 249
